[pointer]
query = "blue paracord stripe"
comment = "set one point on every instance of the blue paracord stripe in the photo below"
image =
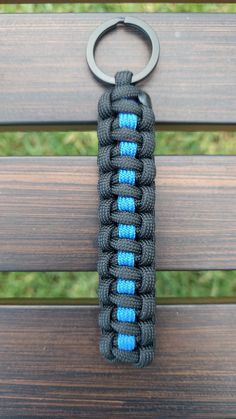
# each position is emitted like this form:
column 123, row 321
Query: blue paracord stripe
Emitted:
column 125, row 259
column 128, row 120
column 125, row 314
column 124, row 286
column 126, row 342
column 126, row 231
column 127, row 176
column 128, row 148
column 126, row 203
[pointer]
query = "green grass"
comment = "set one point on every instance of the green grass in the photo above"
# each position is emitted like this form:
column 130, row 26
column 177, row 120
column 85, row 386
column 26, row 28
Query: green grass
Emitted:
column 127, row 8
column 75, row 285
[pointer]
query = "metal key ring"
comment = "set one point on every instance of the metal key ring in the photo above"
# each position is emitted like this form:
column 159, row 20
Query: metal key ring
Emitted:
column 112, row 24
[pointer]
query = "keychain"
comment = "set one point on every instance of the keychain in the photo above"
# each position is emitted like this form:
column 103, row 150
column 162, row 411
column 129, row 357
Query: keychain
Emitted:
column 126, row 241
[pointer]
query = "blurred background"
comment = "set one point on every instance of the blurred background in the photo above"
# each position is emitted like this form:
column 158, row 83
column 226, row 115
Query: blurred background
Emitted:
column 80, row 285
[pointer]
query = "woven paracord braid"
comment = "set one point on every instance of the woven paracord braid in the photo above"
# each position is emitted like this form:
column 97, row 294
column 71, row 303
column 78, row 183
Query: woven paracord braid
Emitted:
column 126, row 215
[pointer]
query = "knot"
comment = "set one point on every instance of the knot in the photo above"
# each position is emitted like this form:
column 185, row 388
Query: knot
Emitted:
column 127, row 224
column 123, row 77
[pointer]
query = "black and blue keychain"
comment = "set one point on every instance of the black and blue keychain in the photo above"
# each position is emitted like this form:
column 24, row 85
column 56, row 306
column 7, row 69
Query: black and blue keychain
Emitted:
column 126, row 258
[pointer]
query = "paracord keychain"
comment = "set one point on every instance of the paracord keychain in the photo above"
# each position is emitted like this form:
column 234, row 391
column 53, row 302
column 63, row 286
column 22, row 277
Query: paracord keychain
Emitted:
column 126, row 260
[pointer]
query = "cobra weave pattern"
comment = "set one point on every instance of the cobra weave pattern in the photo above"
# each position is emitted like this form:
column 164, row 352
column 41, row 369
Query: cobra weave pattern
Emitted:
column 126, row 214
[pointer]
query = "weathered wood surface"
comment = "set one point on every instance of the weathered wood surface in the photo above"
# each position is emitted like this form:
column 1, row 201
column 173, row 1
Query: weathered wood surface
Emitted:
column 48, row 213
column 51, row 367
column 45, row 81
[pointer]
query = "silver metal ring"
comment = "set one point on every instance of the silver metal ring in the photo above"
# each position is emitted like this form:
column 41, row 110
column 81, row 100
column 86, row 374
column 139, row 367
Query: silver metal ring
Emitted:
column 112, row 24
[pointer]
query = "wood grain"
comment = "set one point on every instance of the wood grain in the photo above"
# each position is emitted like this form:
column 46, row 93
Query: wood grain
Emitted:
column 48, row 213
column 51, row 367
column 45, row 82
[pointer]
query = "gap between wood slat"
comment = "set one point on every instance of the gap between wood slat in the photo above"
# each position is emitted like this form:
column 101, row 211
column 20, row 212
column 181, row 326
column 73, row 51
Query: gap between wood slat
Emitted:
column 113, row 1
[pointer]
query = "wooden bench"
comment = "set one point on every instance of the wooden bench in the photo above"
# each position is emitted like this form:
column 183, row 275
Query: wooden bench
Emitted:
column 50, row 364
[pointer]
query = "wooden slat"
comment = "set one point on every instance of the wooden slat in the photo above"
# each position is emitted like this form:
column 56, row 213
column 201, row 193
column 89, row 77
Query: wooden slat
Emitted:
column 48, row 213
column 45, row 81
column 51, row 367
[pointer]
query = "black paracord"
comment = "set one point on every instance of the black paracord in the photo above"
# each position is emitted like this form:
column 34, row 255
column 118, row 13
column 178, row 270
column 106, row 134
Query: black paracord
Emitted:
column 126, row 214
